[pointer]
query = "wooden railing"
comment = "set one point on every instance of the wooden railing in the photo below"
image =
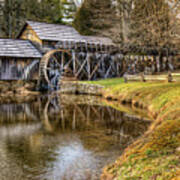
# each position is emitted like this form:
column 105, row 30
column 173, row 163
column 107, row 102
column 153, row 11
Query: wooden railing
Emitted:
column 170, row 77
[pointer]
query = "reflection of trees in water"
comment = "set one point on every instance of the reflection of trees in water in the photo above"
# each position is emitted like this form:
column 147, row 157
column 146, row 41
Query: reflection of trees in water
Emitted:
column 12, row 113
column 78, row 117
column 88, row 119
column 115, row 124
column 58, row 115
column 96, row 127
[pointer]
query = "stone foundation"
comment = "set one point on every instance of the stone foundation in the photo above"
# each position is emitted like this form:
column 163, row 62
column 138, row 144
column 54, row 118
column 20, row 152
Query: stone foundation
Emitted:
column 73, row 87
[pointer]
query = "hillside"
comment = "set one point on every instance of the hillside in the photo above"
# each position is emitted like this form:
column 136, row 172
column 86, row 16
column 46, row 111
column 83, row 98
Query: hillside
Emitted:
column 131, row 22
column 103, row 19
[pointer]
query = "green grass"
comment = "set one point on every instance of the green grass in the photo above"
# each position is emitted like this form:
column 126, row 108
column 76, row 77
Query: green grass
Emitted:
column 107, row 82
column 155, row 155
column 150, row 93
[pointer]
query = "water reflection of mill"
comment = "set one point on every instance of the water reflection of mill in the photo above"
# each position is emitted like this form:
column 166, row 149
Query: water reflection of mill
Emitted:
column 73, row 116
column 54, row 131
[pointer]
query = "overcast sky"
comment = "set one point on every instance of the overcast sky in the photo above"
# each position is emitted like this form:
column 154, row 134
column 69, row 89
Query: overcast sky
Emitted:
column 78, row 2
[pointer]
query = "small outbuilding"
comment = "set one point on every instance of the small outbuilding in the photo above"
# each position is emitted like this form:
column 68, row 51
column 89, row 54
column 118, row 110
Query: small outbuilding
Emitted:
column 17, row 59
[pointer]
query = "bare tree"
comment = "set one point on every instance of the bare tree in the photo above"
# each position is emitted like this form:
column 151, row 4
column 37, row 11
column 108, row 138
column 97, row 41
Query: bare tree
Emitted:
column 153, row 24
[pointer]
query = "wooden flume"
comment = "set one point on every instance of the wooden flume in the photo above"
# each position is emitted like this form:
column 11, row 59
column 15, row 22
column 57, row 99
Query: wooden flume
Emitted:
column 92, row 61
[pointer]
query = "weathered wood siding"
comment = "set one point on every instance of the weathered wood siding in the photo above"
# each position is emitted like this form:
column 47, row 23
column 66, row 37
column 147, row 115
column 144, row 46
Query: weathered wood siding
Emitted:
column 30, row 34
column 14, row 68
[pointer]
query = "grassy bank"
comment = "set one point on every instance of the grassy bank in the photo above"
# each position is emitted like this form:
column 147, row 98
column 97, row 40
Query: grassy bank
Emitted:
column 156, row 155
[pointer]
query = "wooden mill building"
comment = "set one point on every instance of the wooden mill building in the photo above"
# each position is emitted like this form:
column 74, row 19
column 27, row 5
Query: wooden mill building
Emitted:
column 15, row 57
column 46, row 36
column 19, row 56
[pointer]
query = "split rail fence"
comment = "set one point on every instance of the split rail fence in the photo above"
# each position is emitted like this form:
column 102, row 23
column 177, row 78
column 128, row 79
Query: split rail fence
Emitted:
column 170, row 77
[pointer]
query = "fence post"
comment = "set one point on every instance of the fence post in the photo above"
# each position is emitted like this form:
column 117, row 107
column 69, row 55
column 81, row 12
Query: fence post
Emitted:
column 169, row 77
column 125, row 79
column 143, row 77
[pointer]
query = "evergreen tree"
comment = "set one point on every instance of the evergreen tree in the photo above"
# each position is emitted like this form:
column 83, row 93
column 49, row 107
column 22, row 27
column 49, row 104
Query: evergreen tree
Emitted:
column 15, row 12
column 94, row 16
column 83, row 20
column 12, row 14
column 50, row 11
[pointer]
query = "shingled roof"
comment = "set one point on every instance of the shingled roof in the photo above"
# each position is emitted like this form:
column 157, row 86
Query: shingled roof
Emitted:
column 53, row 32
column 18, row 49
column 56, row 32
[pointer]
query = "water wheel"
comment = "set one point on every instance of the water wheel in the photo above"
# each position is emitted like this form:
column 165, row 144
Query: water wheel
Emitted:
column 51, row 67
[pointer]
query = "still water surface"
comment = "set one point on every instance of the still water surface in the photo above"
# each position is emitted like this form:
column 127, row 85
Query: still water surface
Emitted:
column 63, row 138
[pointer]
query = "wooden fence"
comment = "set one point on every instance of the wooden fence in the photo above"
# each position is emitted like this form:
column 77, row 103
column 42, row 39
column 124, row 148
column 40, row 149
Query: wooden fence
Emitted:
column 170, row 77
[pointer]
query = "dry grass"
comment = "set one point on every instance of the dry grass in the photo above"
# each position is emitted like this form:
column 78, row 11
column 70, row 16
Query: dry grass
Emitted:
column 156, row 155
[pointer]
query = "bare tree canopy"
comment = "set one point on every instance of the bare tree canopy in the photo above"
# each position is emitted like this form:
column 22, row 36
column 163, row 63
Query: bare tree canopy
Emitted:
column 145, row 23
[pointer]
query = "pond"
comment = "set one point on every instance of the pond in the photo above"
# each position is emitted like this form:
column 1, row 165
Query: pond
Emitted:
column 63, row 137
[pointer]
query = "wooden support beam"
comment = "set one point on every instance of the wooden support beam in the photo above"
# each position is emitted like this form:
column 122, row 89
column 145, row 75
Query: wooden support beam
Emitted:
column 108, row 71
column 96, row 68
column 68, row 63
column 74, row 62
column 81, row 68
column 56, row 60
column 88, row 67
column 62, row 60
